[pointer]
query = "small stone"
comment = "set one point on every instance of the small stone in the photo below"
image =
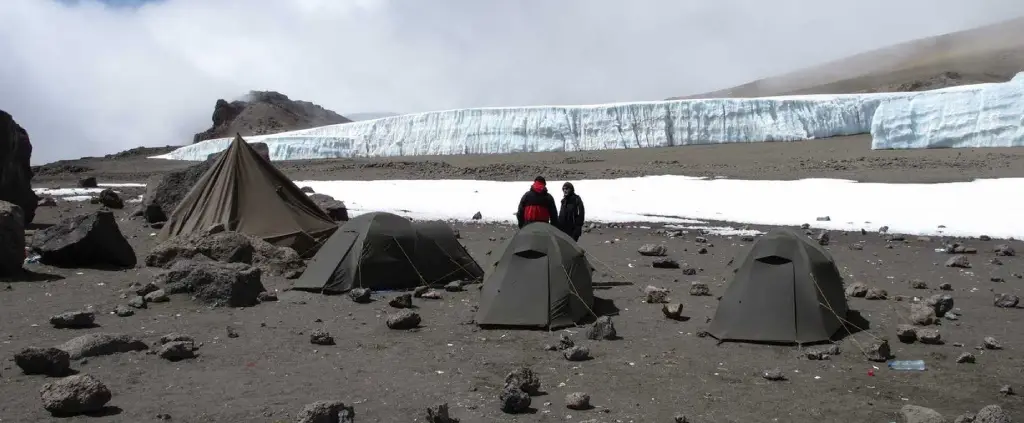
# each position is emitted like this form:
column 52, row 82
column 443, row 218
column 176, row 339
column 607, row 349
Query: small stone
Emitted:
column 946, row 287
column 965, row 358
column 958, row 261
column 403, row 320
column 74, row 320
column 702, row 250
column 455, row 286
column 916, row 414
column 679, row 418
column 401, row 301
column 929, row 336
column 232, row 332
column 266, row 297
column 857, row 289
column 876, row 294
column 576, row 353
column 564, row 342
column 77, row 394
column 420, row 290
column 431, row 294
column 439, row 414
column 602, row 329
column 942, row 304
column 906, row 333
column 43, row 361
column 672, row 311
column 689, row 271
column 665, row 263
column 655, row 295
column 823, row 238
column 918, row 284
column 878, row 351
column 857, row 247
column 359, row 295
column 774, row 375
column 991, row 343
column 525, row 379
column 652, row 250
column 123, row 311
column 1004, row 250
column 176, row 337
column 321, row 337
column 327, row 412
column 137, row 302
column 699, row 289
column 992, row 414
column 514, row 400
column 477, row 216
column 922, row 314
column 577, row 401
column 996, row 261
column 1007, row 390
column 158, row 296
column 143, row 289
column 176, row 351
column 1006, row 300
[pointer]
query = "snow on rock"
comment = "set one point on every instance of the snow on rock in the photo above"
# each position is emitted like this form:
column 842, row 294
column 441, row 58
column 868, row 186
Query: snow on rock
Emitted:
column 990, row 116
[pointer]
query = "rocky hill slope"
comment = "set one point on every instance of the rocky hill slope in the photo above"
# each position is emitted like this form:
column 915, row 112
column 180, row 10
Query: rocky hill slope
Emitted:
column 266, row 112
column 992, row 53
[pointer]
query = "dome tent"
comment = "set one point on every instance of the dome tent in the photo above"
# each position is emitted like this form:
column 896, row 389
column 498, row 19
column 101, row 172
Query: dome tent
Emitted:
column 786, row 290
column 541, row 279
column 386, row 251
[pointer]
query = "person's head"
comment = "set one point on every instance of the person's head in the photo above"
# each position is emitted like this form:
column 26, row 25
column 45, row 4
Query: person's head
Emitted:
column 539, row 184
column 568, row 189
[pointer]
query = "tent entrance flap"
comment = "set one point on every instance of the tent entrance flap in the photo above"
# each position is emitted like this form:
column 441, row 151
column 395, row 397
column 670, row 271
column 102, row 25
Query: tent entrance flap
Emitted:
column 772, row 299
column 324, row 266
column 519, row 304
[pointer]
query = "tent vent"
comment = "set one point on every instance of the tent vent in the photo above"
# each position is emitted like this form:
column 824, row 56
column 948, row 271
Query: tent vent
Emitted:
column 530, row 254
column 774, row 260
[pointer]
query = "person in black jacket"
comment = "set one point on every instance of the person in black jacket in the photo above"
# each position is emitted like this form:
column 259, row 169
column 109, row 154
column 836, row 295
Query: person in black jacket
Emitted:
column 570, row 219
column 537, row 205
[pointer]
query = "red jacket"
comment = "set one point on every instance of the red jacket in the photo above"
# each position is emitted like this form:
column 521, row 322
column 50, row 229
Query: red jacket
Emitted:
column 537, row 205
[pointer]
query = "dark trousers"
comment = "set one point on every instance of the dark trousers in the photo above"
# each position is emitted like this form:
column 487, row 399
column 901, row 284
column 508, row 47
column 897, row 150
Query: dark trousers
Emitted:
column 574, row 232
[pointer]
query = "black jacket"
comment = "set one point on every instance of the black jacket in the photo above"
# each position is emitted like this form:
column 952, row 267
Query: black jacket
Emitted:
column 572, row 214
column 537, row 205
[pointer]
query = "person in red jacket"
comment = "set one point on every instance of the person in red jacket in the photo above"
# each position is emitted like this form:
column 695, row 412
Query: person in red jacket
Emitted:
column 537, row 205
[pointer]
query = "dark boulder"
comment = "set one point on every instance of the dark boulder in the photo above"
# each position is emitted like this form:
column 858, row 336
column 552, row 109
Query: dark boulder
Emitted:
column 88, row 182
column 108, row 198
column 334, row 208
column 92, row 239
column 12, row 239
column 15, row 170
column 214, row 283
column 229, row 247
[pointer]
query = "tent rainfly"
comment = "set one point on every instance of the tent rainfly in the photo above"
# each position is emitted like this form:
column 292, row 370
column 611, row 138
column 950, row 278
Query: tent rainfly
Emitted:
column 384, row 251
column 542, row 279
column 247, row 194
column 786, row 290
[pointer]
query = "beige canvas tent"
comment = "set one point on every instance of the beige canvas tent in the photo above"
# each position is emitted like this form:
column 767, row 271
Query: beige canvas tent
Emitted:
column 247, row 194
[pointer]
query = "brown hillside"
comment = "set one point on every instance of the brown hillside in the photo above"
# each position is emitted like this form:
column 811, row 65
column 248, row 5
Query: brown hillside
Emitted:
column 266, row 112
column 992, row 53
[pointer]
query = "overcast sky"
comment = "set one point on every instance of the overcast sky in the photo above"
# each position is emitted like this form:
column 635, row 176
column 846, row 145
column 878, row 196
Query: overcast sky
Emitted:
column 89, row 78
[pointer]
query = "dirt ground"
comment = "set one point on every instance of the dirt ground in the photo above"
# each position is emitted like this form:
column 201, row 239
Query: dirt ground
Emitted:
column 660, row 367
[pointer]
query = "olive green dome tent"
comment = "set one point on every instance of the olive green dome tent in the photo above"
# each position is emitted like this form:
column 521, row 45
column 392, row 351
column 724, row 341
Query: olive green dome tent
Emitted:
column 382, row 251
column 541, row 279
column 786, row 290
column 247, row 194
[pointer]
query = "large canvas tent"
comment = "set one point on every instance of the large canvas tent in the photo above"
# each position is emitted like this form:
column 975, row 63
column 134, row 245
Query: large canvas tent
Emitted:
column 541, row 279
column 247, row 194
column 786, row 290
column 385, row 251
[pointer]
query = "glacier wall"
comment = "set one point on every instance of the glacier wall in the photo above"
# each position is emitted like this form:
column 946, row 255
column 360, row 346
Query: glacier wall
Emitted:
column 581, row 128
column 990, row 116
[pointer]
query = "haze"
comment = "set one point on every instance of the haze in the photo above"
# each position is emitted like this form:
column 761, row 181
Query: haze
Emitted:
column 88, row 78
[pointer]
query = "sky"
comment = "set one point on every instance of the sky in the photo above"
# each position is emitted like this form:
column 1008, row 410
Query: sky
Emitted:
column 86, row 77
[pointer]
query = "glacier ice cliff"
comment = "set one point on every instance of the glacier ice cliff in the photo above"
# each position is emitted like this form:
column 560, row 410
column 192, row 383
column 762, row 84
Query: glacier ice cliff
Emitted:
column 580, row 128
column 990, row 116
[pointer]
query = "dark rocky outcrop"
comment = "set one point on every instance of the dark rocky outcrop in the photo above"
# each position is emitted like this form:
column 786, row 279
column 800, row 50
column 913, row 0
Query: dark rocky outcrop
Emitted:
column 12, row 239
column 85, row 240
column 334, row 208
column 15, row 170
column 214, row 283
column 266, row 112
column 229, row 247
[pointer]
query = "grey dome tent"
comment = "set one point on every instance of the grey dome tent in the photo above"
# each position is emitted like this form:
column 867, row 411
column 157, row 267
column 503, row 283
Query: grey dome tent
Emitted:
column 382, row 251
column 541, row 279
column 247, row 194
column 786, row 290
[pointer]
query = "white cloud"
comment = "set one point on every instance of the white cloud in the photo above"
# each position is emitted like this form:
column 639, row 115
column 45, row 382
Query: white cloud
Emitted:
column 86, row 79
